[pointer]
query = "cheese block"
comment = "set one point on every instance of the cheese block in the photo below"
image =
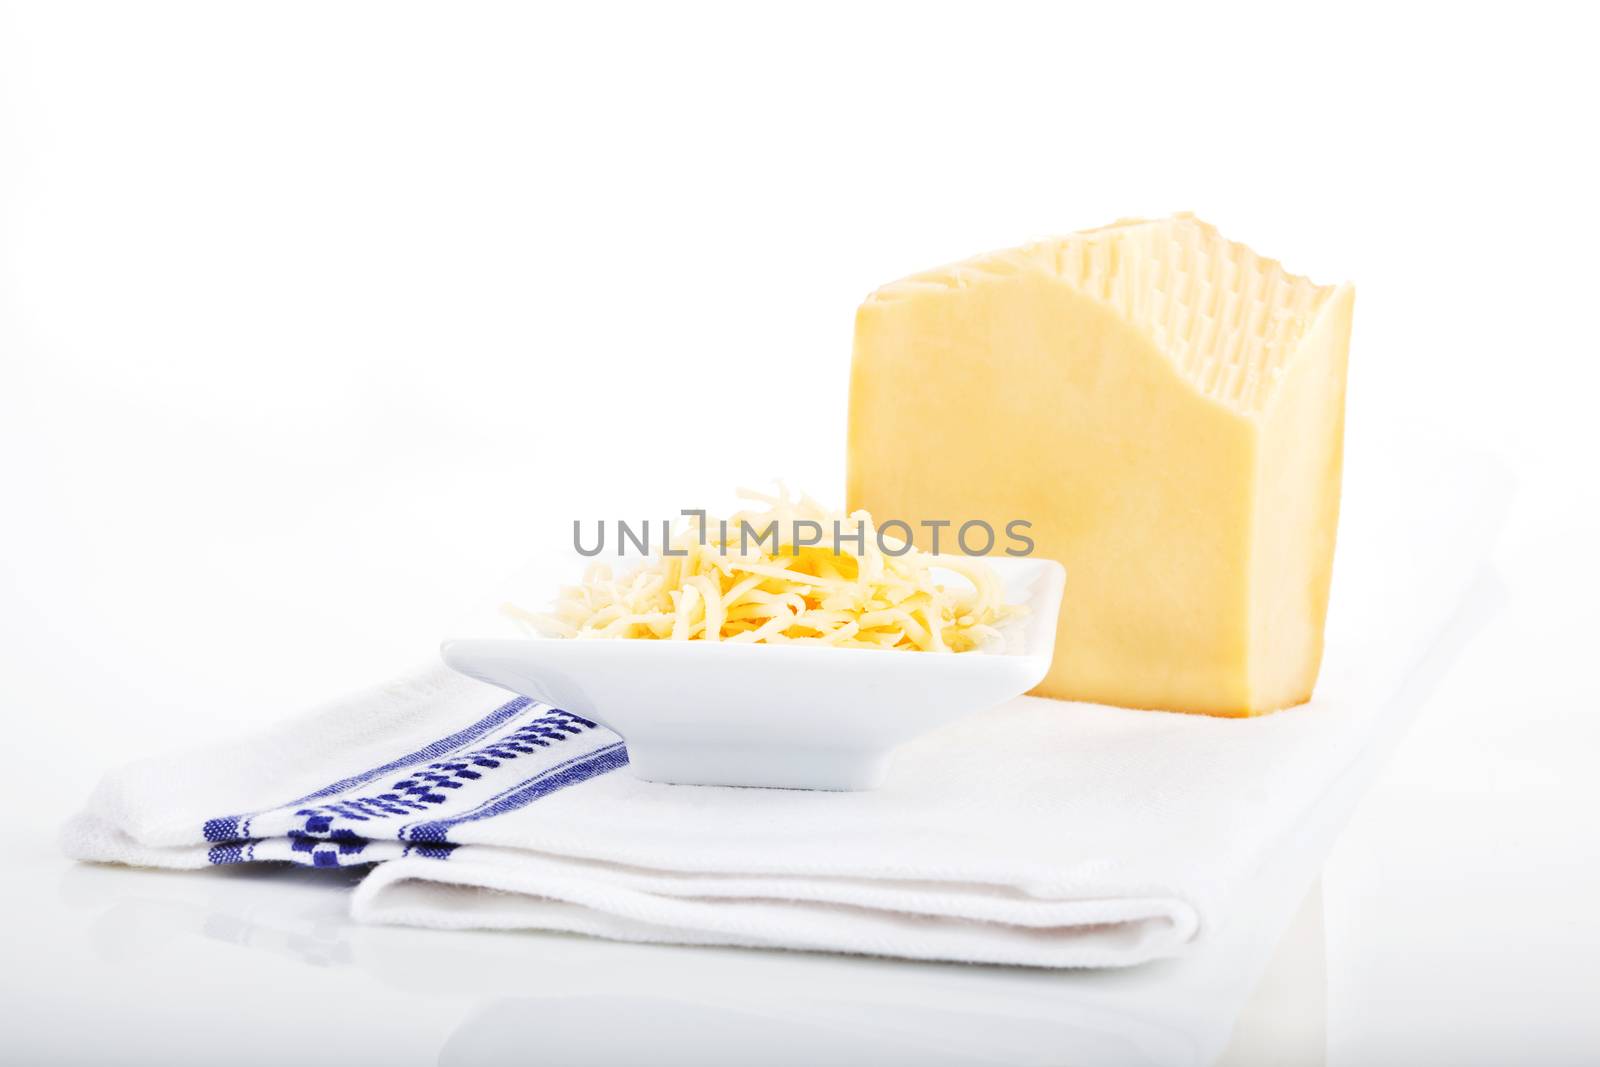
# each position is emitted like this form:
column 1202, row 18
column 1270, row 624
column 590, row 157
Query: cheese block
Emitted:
column 1166, row 408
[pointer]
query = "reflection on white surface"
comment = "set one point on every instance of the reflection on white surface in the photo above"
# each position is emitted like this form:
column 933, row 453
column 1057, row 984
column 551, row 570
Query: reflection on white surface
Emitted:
column 247, row 933
column 1286, row 1021
column 297, row 914
column 674, row 1032
column 960, row 1016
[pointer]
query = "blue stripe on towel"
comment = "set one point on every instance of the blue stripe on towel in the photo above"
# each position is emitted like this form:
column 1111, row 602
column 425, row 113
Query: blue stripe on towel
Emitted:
column 570, row 772
column 320, row 844
column 442, row 747
column 237, row 827
column 233, row 852
column 420, row 789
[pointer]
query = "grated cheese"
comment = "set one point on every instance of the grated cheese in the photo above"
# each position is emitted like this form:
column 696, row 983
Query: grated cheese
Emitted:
column 775, row 592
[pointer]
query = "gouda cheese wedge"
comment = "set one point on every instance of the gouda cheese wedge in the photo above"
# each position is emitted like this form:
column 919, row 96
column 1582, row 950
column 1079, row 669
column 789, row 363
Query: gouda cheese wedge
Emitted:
column 1166, row 408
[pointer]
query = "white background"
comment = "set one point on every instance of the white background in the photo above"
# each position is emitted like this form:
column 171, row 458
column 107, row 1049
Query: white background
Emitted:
column 316, row 319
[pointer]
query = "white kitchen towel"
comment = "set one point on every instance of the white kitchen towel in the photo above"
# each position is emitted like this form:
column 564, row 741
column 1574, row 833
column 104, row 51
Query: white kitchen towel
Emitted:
column 1039, row 833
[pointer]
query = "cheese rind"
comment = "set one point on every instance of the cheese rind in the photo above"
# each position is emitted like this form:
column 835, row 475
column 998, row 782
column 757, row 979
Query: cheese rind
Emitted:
column 1165, row 408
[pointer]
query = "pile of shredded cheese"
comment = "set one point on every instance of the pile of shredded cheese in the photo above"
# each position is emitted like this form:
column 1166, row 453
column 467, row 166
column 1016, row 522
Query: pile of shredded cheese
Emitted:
column 722, row 590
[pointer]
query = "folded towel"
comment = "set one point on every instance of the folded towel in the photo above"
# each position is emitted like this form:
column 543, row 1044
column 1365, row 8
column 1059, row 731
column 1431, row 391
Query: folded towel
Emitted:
column 1040, row 833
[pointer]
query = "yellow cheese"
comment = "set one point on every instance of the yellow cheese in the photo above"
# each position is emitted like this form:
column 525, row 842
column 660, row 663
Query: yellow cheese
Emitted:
column 1166, row 408
column 865, row 590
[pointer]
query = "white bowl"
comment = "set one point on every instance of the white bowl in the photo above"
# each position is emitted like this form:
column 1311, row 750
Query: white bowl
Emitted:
column 791, row 716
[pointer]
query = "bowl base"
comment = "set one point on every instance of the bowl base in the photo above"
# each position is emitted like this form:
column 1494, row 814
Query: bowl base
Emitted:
column 829, row 769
